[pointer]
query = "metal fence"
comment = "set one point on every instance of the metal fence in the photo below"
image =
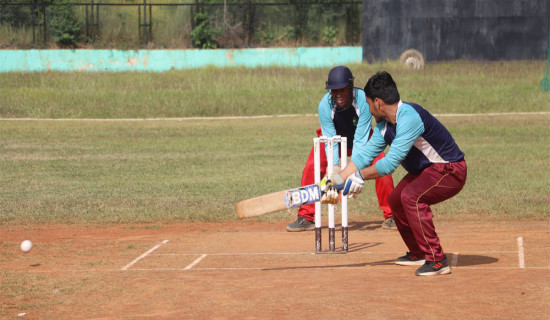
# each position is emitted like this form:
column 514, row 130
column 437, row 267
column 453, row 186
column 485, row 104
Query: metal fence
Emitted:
column 150, row 24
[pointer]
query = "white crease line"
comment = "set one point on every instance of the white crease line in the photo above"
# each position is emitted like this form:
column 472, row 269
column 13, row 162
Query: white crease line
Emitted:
column 143, row 255
column 198, row 269
column 454, row 260
column 521, row 255
column 195, row 262
column 312, row 253
column 501, row 268
column 238, row 254
column 326, row 267
column 259, row 117
column 265, row 269
column 490, row 251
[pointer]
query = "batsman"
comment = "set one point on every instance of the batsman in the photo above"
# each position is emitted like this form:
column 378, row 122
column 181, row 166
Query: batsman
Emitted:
column 343, row 111
column 427, row 151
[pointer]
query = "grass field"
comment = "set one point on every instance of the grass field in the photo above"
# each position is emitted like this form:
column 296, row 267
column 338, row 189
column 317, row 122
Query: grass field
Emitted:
column 453, row 87
column 196, row 170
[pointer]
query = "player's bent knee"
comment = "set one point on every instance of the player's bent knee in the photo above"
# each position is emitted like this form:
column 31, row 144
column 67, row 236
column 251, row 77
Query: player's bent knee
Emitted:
column 394, row 200
column 409, row 198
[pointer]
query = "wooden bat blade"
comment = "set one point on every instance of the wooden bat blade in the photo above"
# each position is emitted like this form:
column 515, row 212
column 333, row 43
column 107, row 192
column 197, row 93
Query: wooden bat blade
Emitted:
column 280, row 200
column 261, row 205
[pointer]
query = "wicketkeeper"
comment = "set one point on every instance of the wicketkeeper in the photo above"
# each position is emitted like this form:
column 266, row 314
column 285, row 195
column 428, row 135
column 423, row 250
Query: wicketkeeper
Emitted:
column 343, row 111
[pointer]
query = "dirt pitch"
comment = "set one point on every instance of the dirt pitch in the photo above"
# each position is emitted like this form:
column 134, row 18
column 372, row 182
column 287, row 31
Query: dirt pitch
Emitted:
column 251, row 270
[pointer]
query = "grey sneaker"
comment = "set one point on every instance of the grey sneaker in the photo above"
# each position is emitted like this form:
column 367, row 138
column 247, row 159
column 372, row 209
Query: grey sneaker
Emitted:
column 410, row 260
column 389, row 224
column 301, row 224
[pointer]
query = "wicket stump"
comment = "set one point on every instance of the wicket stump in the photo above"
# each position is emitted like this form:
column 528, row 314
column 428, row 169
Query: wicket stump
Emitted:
column 344, row 204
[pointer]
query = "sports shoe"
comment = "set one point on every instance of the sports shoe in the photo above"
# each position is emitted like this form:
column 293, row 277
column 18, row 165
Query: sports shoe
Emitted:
column 301, row 224
column 389, row 224
column 410, row 260
column 432, row 268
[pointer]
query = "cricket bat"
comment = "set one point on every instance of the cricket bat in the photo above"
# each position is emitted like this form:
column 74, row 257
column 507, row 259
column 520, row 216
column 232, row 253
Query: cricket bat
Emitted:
column 280, row 200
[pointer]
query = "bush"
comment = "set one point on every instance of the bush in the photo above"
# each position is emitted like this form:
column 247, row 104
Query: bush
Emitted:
column 329, row 34
column 63, row 25
column 16, row 16
column 203, row 34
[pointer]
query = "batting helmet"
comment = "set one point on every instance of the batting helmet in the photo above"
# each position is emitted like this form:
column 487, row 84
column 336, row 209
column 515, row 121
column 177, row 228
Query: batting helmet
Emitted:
column 339, row 77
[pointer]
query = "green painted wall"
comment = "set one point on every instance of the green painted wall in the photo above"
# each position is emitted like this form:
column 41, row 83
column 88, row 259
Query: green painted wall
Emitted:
column 163, row 60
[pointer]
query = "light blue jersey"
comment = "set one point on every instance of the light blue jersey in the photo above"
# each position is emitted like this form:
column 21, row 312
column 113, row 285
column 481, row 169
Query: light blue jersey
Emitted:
column 417, row 140
column 353, row 123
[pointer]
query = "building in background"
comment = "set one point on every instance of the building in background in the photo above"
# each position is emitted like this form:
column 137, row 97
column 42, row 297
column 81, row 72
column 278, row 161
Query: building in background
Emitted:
column 456, row 29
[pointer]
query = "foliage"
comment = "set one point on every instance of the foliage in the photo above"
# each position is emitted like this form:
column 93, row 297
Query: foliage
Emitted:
column 203, row 34
column 212, row 23
column 17, row 16
column 289, row 22
column 64, row 27
column 329, row 34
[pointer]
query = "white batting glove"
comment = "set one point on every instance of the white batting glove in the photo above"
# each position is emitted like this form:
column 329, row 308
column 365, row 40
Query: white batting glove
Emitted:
column 354, row 184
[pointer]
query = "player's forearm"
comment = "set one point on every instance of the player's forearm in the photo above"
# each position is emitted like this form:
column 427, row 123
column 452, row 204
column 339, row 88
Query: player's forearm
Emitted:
column 348, row 170
column 370, row 173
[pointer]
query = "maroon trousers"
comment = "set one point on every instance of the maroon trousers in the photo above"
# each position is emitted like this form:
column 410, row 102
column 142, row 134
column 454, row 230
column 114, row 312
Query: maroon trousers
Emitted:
column 410, row 204
column 383, row 185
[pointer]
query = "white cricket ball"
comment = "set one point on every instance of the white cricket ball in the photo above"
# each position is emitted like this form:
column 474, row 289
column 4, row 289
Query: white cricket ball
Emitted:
column 26, row 246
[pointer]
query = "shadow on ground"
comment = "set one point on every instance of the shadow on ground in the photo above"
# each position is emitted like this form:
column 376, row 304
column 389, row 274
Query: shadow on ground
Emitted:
column 352, row 265
column 365, row 225
column 464, row 260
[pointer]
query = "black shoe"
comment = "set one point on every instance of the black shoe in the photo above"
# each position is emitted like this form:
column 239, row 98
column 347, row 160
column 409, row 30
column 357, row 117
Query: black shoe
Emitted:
column 432, row 268
column 301, row 224
column 389, row 224
column 410, row 260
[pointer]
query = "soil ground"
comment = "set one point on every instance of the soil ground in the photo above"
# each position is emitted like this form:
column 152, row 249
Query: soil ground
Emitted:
column 257, row 270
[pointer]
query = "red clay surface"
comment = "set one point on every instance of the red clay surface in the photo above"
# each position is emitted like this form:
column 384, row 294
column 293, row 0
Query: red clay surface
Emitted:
column 244, row 270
